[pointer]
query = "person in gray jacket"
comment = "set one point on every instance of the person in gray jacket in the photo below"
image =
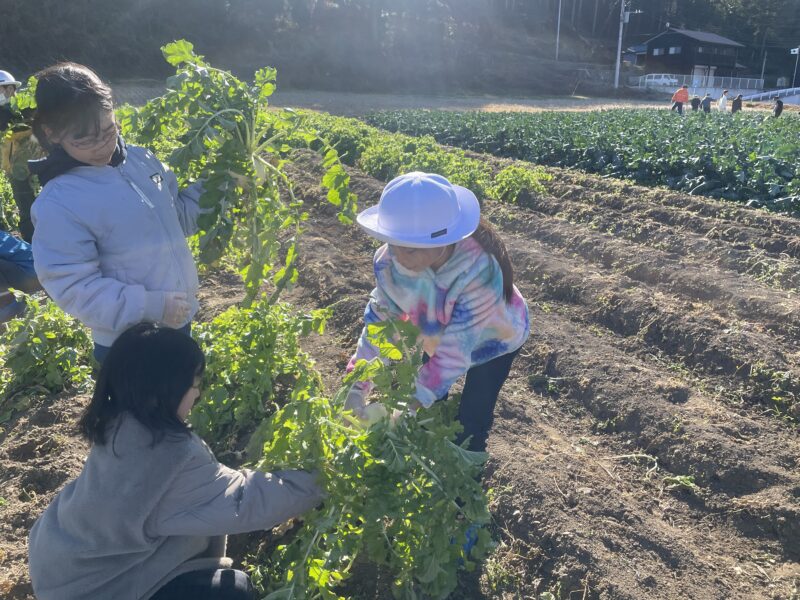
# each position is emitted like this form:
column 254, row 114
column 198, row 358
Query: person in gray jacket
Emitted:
column 109, row 245
column 148, row 515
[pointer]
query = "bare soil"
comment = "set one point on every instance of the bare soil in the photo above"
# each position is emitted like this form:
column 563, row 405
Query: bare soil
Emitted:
column 636, row 449
column 353, row 104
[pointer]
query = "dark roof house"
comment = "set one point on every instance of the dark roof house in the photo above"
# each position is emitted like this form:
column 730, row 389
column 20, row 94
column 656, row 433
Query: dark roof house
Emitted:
column 687, row 52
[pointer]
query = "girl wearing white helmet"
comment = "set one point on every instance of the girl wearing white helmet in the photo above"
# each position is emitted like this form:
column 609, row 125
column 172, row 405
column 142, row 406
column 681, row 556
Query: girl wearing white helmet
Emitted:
column 445, row 269
column 8, row 86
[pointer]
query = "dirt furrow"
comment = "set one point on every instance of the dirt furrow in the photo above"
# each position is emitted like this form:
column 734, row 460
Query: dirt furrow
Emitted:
column 598, row 213
column 759, row 367
column 746, row 222
column 730, row 295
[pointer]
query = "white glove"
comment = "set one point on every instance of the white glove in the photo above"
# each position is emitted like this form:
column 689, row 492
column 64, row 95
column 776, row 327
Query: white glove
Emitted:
column 372, row 413
column 355, row 401
column 177, row 309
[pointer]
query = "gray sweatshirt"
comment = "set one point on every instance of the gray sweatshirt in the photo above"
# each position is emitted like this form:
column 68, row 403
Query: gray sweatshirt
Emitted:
column 109, row 242
column 139, row 515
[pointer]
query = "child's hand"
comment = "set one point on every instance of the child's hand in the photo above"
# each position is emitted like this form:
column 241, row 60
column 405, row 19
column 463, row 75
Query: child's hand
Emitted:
column 242, row 181
column 411, row 410
column 176, row 309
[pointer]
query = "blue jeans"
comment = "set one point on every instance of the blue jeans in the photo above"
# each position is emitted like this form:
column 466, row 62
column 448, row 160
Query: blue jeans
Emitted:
column 481, row 388
column 100, row 352
column 14, row 275
column 209, row 584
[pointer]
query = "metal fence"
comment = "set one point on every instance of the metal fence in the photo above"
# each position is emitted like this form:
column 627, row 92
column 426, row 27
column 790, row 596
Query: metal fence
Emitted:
column 699, row 82
column 766, row 96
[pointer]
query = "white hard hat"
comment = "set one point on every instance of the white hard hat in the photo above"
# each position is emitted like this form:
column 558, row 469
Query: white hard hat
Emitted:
column 7, row 78
column 422, row 210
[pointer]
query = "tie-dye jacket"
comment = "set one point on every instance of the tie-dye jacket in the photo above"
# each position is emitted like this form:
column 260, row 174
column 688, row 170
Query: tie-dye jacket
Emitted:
column 460, row 310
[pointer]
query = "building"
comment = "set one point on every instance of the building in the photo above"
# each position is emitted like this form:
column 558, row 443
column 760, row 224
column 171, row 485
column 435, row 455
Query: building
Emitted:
column 700, row 54
column 635, row 55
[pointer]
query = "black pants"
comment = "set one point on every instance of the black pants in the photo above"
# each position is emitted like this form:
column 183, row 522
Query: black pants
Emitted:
column 211, row 584
column 24, row 197
column 481, row 388
column 678, row 106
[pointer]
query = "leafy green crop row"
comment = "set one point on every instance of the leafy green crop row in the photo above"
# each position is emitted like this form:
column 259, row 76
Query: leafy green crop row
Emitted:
column 45, row 351
column 385, row 155
column 749, row 157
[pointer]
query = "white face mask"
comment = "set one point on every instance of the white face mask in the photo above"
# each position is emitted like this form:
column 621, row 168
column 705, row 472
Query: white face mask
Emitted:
column 4, row 99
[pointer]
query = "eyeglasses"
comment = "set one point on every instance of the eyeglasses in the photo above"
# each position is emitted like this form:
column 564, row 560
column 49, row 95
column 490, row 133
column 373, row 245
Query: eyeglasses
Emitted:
column 88, row 142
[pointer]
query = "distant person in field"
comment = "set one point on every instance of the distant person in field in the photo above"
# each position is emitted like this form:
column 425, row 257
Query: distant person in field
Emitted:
column 777, row 107
column 16, row 148
column 705, row 103
column 679, row 98
column 445, row 269
column 723, row 101
column 148, row 516
column 695, row 102
column 736, row 105
column 16, row 272
column 111, row 224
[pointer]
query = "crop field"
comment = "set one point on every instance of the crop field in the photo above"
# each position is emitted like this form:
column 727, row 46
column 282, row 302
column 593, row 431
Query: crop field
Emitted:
column 645, row 445
column 749, row 157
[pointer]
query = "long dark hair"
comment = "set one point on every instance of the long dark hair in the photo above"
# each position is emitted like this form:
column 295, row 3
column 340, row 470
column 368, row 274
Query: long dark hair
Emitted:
column 146, row 374
column 69, row 96
column 487, row 237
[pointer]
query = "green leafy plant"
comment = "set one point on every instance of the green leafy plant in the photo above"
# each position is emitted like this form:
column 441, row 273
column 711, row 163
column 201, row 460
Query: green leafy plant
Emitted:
column 514, row 181
column 8, row 208
column 44, row 351
column 680, row 482
column 400, row 492
column 254, row 364
column 220, row 130
column 385, row 155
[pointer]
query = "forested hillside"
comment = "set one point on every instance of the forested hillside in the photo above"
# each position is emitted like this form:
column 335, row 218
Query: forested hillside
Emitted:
column 391, row 45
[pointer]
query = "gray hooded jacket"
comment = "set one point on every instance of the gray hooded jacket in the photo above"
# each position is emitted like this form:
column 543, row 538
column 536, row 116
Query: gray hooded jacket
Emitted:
column 140, row 514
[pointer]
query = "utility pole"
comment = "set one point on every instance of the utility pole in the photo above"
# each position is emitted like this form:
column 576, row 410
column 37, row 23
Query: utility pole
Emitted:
column 763, row 67
column 619, row 42
column 558, row 27
column 795, row 51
